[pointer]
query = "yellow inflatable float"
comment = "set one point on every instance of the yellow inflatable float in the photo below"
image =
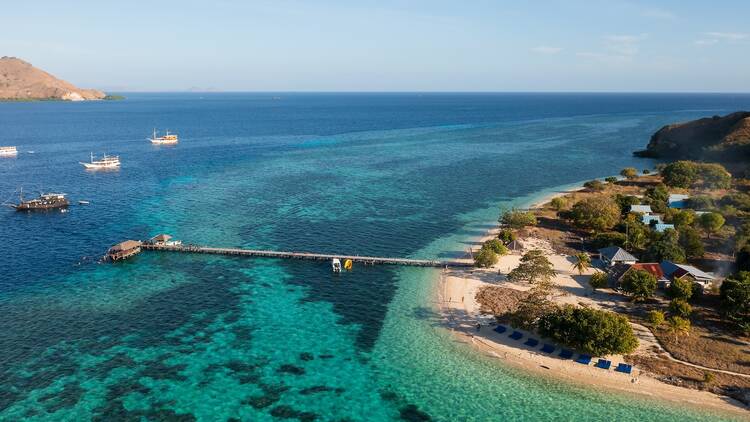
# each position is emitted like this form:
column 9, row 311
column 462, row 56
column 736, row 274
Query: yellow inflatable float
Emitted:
column 348, row 264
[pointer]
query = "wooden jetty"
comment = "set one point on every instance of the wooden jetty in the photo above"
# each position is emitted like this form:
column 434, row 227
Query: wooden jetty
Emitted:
column 367, row 260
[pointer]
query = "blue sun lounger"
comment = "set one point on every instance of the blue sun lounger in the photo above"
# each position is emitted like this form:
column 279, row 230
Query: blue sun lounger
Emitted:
column 500, row 329
column 516, row 335
column 548, row 348
column 603, row 364
column 624, row 368
column 566, row 354
column 584, row 359
column 532, row 342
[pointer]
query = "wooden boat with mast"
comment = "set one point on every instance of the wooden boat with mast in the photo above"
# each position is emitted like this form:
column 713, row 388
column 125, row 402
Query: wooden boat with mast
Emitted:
column 168, row 139
column 45, row 201
column 106, row 162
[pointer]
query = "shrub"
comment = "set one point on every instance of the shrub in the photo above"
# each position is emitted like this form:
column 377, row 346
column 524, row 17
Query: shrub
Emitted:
column 646, row 171
column 596, row 213
column 735, row 300
column 639, row 284
column 700, row 203
column 557, row 203
column 679, row 326
column 496, row 246
column 680, row 174
column 610, row 179
column 485, row 258
column 506, row 236
column 714, row 176
column 629, row 173
column 680, row 308
column 681, row 289
column 602, row 240
column 711, row 222
column 665, row 247
column 516, row 219
column 655, row 318
column 589, row 330
column 599, row 280
column 594, row 185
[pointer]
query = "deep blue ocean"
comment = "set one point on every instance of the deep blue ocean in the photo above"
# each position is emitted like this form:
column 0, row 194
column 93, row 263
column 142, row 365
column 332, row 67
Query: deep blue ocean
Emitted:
column 184, row 337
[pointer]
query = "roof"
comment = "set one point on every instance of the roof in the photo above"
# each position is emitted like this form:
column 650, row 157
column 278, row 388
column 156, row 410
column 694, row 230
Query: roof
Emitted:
column 659, row 227
column 647, row 219
column 643, row 209
column 678, row 270
column 675, row 197
column 514, row 245
column 651, row 267
column 615, row 253
column 161, row 238
column 125, row 246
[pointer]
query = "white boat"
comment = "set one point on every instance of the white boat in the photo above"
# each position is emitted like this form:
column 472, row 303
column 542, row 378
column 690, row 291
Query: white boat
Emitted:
column 106, row 162
column 336, row 265
column 83, row 202
column 168, row 139
column 8, row 151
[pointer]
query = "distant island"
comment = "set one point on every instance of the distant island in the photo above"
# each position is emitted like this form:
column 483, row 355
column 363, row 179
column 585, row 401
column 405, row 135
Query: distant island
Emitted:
column 20, row 81
column 724, row 139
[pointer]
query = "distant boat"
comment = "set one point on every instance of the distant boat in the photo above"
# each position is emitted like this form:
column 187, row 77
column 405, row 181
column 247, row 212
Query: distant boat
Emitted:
column 45, row 201
column 83, row 202
column 106, row 162
column 336, row 265
column 8, row 151
column 168, row 139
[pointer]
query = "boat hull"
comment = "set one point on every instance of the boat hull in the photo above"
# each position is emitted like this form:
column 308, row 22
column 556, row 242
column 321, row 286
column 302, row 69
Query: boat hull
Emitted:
column 41, row 207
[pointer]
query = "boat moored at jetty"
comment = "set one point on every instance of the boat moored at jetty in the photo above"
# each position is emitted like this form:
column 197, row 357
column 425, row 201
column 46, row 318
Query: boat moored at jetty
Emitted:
column 168, row 139
column 106, row 162
column 336, row 265
column 45, row 201
column 8, row 151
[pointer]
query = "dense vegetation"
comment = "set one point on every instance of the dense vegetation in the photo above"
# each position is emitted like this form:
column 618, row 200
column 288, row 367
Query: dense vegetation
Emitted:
column 589, row 330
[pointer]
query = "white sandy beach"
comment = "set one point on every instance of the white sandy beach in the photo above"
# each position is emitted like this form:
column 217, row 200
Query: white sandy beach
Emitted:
column 460, row 310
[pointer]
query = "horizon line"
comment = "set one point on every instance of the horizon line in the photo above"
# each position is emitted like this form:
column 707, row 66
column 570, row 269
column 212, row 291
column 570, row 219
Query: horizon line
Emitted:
column 208, row 91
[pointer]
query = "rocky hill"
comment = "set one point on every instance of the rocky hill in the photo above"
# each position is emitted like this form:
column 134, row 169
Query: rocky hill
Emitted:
column 20, row 81
column 718, row 138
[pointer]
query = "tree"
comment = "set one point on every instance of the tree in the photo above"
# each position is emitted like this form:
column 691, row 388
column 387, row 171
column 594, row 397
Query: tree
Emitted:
column 680, row 174
column 636, row 232
column 714, row 176
column 596, row 213
column 639, row 284
column 602, row 240
column 658, row 193
column 594, row 185
column 681, row 289
column 557, row 203
column 496, row 246
column 711, row 222
column 517, row 219
column 700, row 203
column 678, row 326
column 582, row 262
column 735, row 300
column 589, row 330
column 485, row 258
column 646, row 171
column 506, row 236
column 655, row 318
column 599, row 280
column 533, row 268
column 611, row 179
column 629, row 173
column 665, row 247
column 680, row 308
column 625, row 201
column 680, row 218
column 743, row 258
column 691, row 242
column 532, row 307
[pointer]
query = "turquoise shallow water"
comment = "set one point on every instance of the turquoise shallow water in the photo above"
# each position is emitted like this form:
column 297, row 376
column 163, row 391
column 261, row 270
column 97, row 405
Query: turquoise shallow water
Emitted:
column 167, row 337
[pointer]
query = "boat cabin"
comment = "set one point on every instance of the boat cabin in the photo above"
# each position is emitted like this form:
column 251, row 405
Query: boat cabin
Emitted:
column 124, row 250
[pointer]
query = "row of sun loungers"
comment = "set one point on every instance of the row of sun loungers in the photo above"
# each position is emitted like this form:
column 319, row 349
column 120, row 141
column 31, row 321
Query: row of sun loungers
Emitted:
column 547, row 348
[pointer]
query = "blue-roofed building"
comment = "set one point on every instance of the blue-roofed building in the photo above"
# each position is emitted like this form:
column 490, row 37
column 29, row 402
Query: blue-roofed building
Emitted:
column 677, row 200
column 641, row 209
column 648, row 219
column 679, row 271
column 661, row 227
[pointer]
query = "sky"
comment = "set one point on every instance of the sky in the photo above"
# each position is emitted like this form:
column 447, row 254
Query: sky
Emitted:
column 332, row 45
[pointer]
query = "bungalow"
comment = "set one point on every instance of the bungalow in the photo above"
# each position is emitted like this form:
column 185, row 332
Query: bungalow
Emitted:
column 641, row 209
column 614, row 255
column 681, row 271
column 649, row 219
column 618, row 272
column 124, row 250
column 164, row 240
column 661, row 227
column 677, row 200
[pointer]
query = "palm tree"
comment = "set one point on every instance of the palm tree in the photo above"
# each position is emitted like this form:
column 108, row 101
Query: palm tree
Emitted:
column 582, row 262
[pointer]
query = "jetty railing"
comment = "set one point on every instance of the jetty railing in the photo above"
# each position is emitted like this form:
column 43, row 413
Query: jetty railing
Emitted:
column 367, row 260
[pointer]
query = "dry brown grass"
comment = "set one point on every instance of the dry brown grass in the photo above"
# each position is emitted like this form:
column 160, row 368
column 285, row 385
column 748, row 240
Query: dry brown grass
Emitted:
column 499, row 301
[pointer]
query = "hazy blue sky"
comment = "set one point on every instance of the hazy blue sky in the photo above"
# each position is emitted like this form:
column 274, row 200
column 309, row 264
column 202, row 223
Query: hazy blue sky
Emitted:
column 385, row 45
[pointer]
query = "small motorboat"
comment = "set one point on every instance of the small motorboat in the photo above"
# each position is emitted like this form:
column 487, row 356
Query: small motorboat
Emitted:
column 336, row 265
column 83, row 202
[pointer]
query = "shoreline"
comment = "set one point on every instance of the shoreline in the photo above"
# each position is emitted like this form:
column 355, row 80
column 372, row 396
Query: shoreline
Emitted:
column 461, row 316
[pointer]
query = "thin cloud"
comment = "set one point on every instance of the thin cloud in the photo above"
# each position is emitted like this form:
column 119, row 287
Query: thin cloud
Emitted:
column 711, row 38
column 624, row 45
column 659, row 14
column 543, row 49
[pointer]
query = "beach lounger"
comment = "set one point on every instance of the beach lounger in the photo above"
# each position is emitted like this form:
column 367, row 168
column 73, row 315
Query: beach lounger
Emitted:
column 603, row 364
column 516, row 335
column 566, row 354
column 548, row 348
column 500, row 329
column 584, row 359
column 624, row 368
column 532, row 342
